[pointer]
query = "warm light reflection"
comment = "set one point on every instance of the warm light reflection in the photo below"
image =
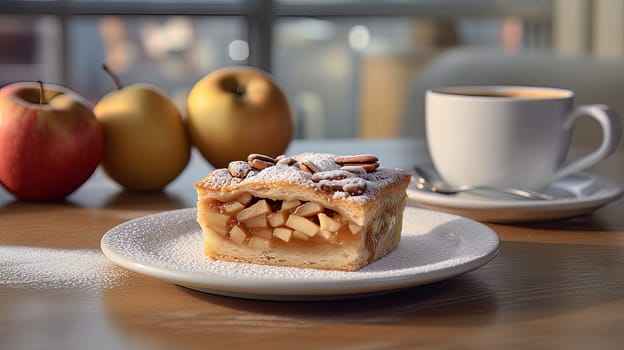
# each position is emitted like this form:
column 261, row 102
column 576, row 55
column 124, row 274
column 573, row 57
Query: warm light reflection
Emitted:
column 359, row 37
column 175, row 35
column 238, row 50
column 512, row 33
column 119, row 50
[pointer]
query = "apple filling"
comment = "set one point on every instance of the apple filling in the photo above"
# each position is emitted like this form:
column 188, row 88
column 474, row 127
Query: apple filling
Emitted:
column 260, row 223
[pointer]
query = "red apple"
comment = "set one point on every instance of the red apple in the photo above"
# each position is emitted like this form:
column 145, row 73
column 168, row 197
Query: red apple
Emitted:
column 50, row 141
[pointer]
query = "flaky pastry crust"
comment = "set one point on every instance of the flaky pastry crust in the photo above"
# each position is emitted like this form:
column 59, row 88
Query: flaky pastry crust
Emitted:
column 354, row 218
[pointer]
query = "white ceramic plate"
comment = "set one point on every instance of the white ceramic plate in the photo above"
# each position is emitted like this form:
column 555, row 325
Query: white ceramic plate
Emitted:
column 574, row 195
column 434, row 246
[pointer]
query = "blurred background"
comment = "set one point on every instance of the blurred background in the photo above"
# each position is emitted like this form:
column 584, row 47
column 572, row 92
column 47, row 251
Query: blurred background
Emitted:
column 350, row 68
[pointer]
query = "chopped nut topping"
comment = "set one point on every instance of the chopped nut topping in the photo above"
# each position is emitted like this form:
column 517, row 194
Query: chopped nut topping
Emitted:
column 365, row 166
column 351, row 167
column 332, row 175
column 260, row 161
column 261, row 157
column 358, row 170
column 354, row 186
column 357, row 159
column 239, row 169
column 259, row 164
column 283, row 160
column 367, row 161
column 309, row 167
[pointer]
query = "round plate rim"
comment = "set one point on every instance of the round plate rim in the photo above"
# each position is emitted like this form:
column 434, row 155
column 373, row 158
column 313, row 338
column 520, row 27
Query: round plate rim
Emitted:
column 308, row 289
column 511, row 211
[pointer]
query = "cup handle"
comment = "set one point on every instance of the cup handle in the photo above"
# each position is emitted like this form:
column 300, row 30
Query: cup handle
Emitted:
column 611, row 126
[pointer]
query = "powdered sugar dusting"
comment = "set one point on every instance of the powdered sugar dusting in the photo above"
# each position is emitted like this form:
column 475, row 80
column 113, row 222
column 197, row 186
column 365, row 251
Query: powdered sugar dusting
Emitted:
column 324, row 161
column 48, row 268
column 433, row 244
column 373, row 181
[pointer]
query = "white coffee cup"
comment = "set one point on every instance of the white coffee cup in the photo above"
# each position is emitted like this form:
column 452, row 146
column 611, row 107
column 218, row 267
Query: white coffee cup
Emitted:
column 510, row 136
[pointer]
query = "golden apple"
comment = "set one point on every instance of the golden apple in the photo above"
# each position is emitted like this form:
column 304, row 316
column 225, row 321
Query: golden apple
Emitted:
column 235, row 111
column 145, row 141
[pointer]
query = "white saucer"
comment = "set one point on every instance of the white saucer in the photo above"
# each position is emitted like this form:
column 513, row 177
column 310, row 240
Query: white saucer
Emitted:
column 169, row 245
column 574, row 195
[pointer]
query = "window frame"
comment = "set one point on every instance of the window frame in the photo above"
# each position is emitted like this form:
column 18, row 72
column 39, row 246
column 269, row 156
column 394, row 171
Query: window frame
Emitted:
column 260, row 15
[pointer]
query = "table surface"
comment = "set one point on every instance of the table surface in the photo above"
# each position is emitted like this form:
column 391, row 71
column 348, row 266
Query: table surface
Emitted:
column 557, row 284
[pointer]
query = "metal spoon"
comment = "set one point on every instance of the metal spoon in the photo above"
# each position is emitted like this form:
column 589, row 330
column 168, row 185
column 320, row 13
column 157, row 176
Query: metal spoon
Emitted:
column 423, row 181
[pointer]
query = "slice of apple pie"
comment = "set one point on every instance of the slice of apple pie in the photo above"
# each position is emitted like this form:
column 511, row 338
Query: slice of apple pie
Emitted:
column 311, row 210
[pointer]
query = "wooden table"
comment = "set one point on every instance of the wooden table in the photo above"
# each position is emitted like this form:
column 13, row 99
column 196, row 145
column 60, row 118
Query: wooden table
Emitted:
column 553, row 285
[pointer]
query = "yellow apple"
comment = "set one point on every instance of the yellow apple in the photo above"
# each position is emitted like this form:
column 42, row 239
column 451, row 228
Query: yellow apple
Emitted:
column 145, row 141
column 235, row 111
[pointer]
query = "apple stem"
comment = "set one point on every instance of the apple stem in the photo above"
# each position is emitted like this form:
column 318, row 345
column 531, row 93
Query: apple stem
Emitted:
column 240, row 91
column 41, row 97
column 113, row 76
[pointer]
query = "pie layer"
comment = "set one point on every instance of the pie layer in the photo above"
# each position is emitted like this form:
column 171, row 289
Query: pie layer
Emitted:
column 310, row 210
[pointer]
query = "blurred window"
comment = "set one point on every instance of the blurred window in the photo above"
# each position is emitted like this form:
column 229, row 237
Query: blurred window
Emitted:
column 344, row 64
